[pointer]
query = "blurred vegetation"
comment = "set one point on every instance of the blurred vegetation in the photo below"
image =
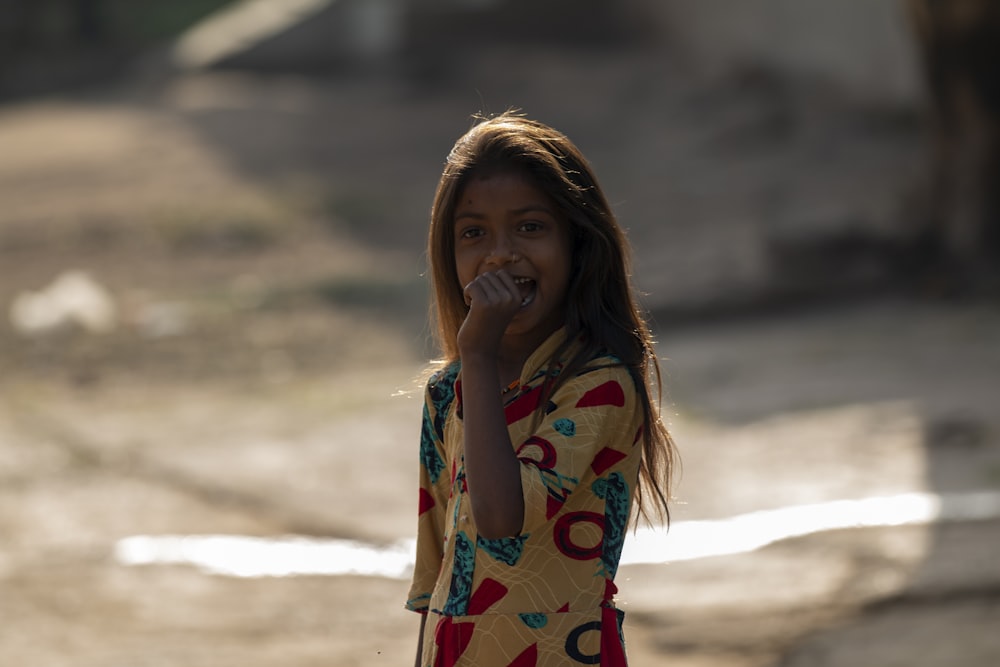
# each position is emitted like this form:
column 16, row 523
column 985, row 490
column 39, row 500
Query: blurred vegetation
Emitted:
column 221, row 229
column 381, row 296
column 160, row 18
column 38, row 25
column 48, row 45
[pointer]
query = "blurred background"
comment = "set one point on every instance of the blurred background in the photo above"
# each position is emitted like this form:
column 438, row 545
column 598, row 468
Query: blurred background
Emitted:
column 213, row 316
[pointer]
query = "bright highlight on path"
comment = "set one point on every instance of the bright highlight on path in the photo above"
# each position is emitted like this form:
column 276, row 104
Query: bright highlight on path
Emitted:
column 241, row 556
column 688, row 540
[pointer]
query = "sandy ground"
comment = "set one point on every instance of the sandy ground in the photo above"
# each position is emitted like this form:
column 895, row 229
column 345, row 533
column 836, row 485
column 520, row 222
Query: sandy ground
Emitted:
column 260, row 241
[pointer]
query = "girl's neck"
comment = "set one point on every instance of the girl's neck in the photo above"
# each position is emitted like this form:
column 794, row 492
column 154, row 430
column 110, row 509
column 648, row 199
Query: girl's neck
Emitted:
column 514, row 352
column 510, row 364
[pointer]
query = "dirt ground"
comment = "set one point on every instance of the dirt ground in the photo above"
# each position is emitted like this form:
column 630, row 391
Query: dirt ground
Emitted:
column 259, row 239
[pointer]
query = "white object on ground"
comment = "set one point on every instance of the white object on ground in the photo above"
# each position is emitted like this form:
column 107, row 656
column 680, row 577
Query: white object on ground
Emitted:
column 72, row 298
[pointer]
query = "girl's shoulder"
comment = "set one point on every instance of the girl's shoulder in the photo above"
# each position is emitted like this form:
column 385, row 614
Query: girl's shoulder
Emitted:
column 602, row 361
column 603, row 366
column 442, row 380
column 603, row 358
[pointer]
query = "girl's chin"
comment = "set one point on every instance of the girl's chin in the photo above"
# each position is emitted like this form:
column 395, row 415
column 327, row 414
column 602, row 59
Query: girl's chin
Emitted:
column 521, row 324
column 526, row 323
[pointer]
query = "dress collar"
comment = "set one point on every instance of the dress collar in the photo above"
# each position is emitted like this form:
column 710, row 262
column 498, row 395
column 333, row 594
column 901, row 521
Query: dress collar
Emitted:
column 538, row 360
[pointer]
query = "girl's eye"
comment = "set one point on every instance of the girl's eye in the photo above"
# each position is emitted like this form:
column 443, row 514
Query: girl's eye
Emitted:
column 531, row 226
column 469, row 233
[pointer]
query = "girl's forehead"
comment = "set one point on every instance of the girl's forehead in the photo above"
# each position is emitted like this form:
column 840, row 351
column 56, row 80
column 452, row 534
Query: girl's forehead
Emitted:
column 510, row 179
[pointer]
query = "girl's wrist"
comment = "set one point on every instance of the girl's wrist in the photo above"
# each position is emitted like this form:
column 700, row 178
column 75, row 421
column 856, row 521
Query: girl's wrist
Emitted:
column 479, row 369
column 477, row 354
column 477, row 358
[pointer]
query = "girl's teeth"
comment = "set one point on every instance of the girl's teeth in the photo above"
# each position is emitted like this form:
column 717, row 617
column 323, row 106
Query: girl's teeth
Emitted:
column 528, row 282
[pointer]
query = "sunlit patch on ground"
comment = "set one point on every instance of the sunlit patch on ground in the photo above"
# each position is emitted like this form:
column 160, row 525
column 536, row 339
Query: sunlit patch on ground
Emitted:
column 242, row 556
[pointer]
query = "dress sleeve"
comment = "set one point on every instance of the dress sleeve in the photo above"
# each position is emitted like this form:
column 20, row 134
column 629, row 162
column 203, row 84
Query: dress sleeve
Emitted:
column 592, row 424
column 434, row 486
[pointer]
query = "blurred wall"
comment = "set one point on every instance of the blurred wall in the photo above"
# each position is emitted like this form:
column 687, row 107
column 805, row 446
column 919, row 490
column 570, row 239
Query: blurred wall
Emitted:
column 863, row 47
column 301, row 35
column 335, row 34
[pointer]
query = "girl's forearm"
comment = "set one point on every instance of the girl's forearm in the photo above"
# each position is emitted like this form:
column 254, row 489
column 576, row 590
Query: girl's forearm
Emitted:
column 493, row 473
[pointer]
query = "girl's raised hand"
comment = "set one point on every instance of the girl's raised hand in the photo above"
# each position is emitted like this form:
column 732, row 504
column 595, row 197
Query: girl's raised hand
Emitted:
column 494, row 300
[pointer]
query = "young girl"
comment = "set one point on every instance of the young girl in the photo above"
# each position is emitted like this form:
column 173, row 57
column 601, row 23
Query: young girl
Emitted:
column 542, row 424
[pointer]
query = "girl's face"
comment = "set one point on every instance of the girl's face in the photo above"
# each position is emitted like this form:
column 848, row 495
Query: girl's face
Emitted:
column 503, row 221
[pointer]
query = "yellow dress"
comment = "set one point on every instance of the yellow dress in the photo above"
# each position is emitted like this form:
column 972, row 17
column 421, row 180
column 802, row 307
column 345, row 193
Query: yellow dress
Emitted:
column 544, row 597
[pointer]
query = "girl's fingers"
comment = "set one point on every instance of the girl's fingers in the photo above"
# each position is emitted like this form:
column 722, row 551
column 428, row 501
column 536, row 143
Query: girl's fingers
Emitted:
column 493, row 301
column 508, row 283
column 496, row 291
column 492, row 288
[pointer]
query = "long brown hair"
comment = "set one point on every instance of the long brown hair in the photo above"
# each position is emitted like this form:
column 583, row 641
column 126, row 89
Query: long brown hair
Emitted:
column 601, row 306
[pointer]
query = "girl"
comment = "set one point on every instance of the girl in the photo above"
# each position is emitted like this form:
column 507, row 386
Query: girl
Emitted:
column 541, row 425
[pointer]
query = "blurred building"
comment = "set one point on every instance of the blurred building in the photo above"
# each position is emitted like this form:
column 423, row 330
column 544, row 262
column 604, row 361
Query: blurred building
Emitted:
column 862, row 46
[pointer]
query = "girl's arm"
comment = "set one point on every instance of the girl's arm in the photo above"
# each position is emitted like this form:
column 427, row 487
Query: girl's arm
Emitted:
column 493, row 473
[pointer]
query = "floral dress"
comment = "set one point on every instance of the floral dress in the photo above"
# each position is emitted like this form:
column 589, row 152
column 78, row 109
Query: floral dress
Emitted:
column 545, row 596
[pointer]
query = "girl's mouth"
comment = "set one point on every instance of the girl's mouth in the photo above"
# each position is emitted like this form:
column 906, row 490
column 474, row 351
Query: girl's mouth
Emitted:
column 527, row 286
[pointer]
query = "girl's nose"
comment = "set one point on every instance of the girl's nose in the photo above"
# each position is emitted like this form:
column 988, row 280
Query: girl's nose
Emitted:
column 503, row 254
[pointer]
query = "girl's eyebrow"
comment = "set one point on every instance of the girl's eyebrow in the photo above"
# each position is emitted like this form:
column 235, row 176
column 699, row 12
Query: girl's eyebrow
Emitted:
column 530, row 208
column 533, row 208
column 469, row 214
